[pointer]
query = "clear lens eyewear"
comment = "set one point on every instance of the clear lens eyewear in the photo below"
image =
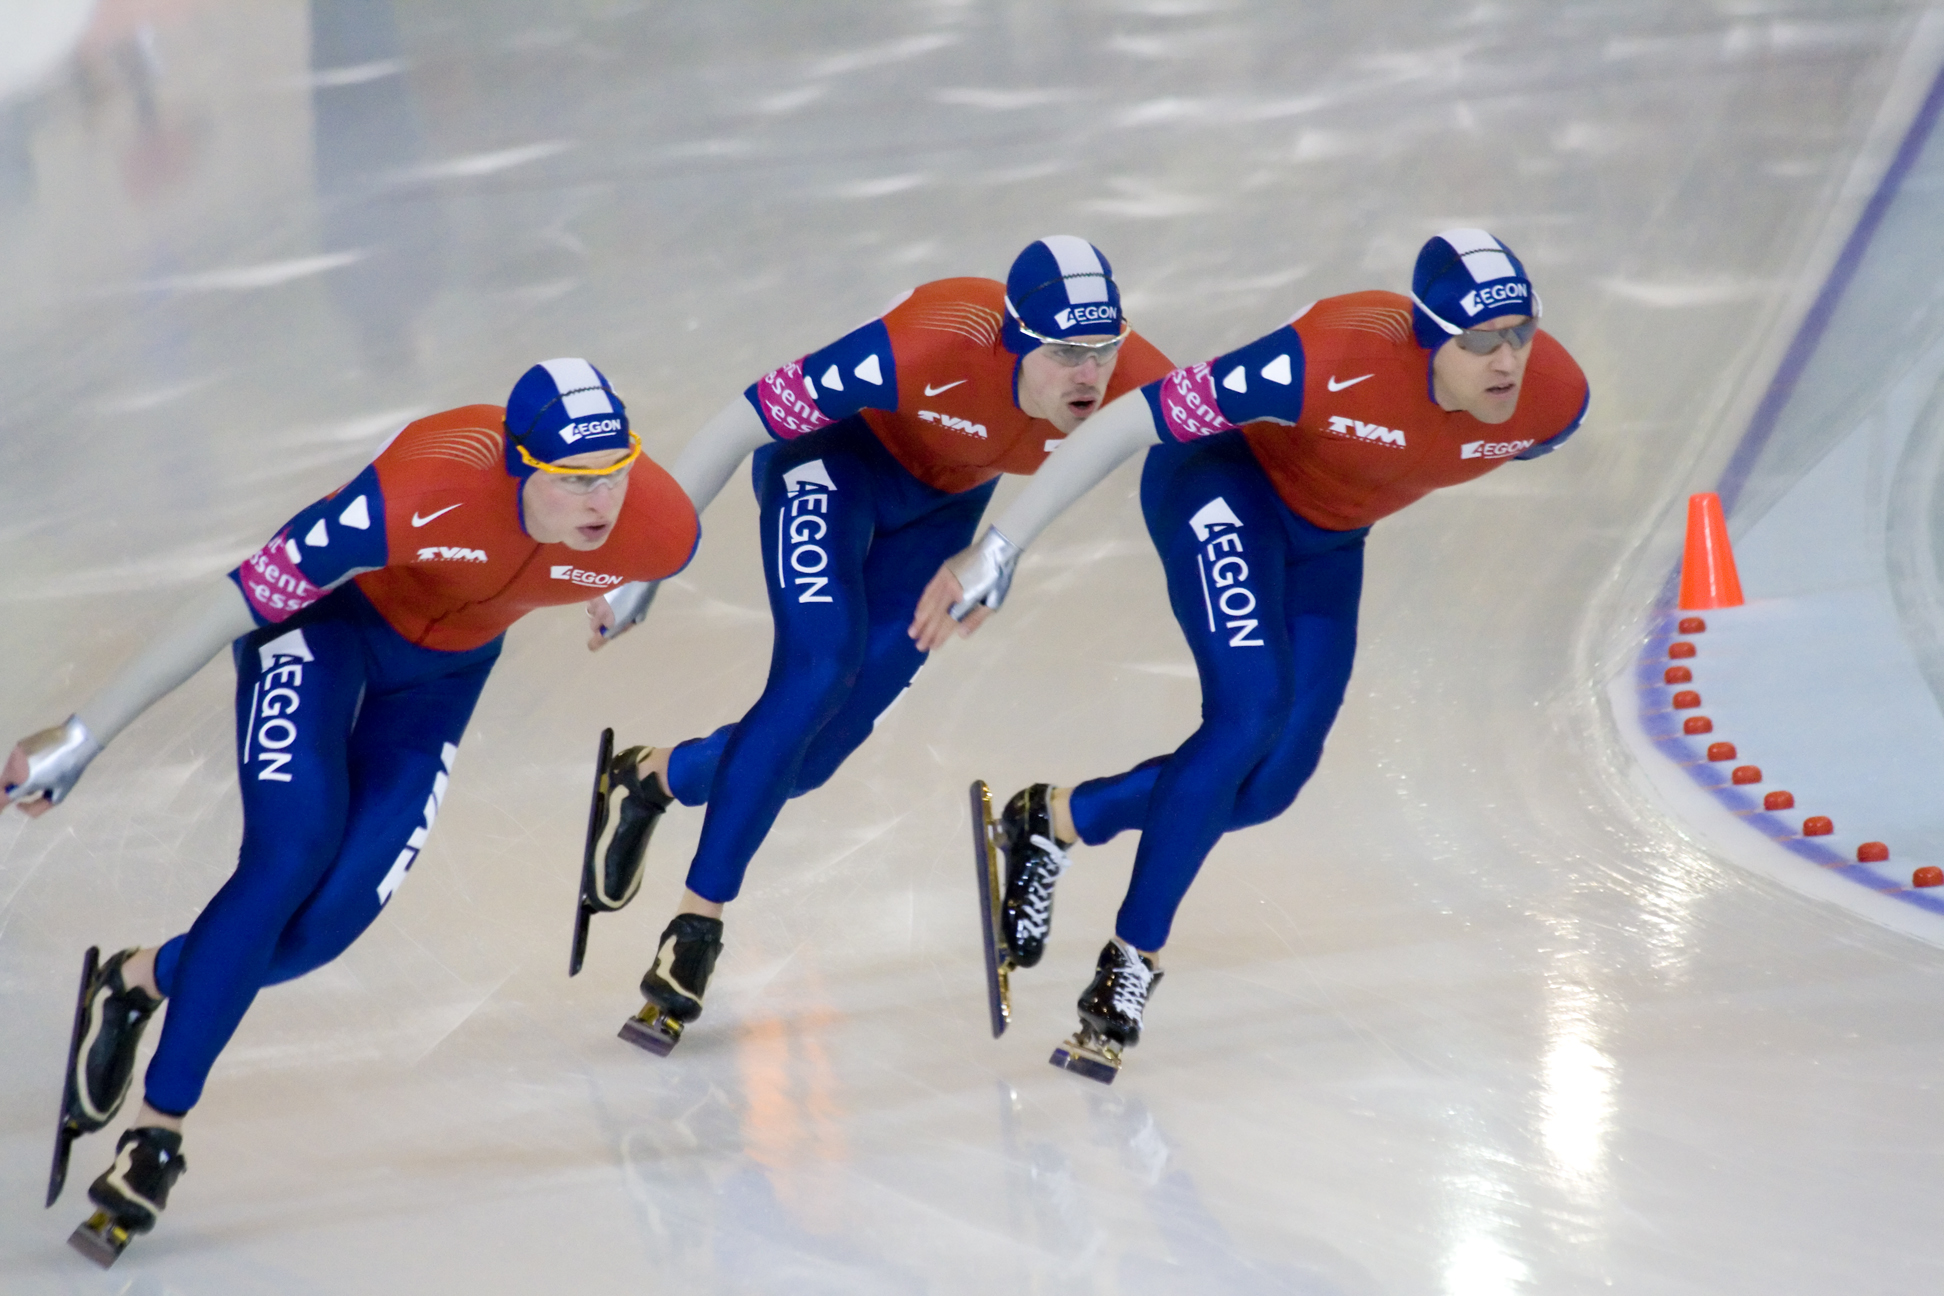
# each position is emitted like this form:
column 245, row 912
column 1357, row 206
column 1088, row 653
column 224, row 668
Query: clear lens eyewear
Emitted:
column 1485, row 341
column 585, row 485
column 1071, row 355
column 582, row 481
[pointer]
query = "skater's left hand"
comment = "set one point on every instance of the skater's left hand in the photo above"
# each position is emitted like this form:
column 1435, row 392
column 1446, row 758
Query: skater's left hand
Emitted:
column 933, row 624
column 15, row 774
column 601, row 629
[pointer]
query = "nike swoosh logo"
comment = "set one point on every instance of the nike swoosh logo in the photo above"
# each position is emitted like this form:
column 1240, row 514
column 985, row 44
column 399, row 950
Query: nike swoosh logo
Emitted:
column 1339, row 386
column 933, row 391
column 418, row 521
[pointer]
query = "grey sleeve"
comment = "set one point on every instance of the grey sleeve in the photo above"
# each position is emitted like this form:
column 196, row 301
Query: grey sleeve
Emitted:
column 716, row 449
column 213, row 617
column 1101, row 444
column 701, row 470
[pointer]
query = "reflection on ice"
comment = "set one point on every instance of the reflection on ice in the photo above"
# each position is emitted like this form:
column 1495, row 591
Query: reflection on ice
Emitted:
column 1707, row 290
column 478, row 164
column 1576, row 1095
column 1479, row 1265
column 268, row 274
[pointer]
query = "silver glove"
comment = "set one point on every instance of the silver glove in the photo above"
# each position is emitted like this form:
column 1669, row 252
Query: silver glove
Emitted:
column 984, row 572
column 631, row 603
column 55, row 759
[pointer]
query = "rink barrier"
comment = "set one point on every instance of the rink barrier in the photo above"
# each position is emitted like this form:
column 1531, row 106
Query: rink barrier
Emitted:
column 1809, row 334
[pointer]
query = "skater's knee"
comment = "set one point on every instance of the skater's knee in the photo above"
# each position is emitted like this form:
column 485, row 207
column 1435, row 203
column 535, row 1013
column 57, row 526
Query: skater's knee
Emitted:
column 821, row 656
column 302, row 954
column 1250, row 721
column 1272, row 786
column 827, row 689
column 835, row 742
column 813, row 777
column 314, row 938
column 1229, row 754
column 1258, row 803
column 809, row 693
column 279, row 867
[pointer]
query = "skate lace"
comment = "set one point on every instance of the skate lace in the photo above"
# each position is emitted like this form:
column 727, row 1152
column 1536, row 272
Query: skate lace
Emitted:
column 1132, row 980
column 1036, row 912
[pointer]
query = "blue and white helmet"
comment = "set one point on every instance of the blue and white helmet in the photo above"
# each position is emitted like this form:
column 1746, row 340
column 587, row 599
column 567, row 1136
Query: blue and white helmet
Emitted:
column 1464, row 276
column 561, row 408
column 1060, row 287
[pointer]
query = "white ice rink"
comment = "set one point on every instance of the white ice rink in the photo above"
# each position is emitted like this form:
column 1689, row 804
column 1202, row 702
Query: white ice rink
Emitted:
column 1476, row 1017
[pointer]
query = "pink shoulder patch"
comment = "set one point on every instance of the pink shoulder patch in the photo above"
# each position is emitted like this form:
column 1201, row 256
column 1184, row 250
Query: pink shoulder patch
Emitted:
column 272, row 585
column 1188, row 404
column 789, row 402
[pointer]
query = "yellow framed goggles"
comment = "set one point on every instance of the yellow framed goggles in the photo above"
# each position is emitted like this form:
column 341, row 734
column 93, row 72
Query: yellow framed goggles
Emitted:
column 581, row 481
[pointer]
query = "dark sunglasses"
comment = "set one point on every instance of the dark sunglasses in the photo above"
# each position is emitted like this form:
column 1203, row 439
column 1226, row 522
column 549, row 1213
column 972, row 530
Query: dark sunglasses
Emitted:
column 1485, row 341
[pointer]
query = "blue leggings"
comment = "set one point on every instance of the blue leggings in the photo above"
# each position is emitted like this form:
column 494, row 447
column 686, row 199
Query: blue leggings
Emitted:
column 850, row 539
column 1269, row 604
column 345, row 738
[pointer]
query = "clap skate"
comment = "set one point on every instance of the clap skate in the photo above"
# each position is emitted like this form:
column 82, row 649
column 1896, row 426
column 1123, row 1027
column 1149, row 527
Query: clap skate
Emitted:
column 610, row 884
column 1035, row 859
column 998, row 957
column 109, row 1017
column 131, row 1193
column 1111, row 1009
column 674, row 986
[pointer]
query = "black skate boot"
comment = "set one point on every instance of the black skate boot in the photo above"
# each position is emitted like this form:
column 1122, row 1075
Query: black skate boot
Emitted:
column 108, row 1022
column 1110, row 1013
column 608, row 885
column 641, row 809
column 1034, row 861
column 131, row 1194
column 674, row 986
column 114, row 1015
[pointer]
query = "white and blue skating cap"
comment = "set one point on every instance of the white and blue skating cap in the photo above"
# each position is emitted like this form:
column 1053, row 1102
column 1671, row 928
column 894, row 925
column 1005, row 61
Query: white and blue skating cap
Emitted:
column 561, row 408
column 1060, row 287
column 1464, row 276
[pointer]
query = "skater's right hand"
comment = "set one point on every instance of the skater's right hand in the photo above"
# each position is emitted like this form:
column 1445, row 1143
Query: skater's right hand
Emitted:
column 619, row 610
column 968, row 588
column 933, row 625
column 13, row 776
column 44, row 767
column 600, row 624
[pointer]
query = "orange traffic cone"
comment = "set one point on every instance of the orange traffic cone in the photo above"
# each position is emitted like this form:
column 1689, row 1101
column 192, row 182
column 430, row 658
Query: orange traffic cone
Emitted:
column 1708, row 578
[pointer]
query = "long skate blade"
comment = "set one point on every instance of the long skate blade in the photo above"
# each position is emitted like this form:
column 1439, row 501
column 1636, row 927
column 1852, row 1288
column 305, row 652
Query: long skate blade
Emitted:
column 64, row 1138
column 1086, row 1055
column 998, row 959
column 100, row 1239
column 578, row 955
column 597, row 816
column 66, row 1131
column 652, row 1029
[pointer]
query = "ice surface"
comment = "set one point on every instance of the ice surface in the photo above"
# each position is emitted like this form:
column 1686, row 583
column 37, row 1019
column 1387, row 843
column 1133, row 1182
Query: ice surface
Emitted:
column 1472, row 1018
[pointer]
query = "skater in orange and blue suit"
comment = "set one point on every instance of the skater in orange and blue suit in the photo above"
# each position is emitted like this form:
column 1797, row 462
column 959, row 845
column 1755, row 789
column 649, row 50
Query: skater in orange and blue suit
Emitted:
column 1265, row 469
column 874, row 459
column 362, row 633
